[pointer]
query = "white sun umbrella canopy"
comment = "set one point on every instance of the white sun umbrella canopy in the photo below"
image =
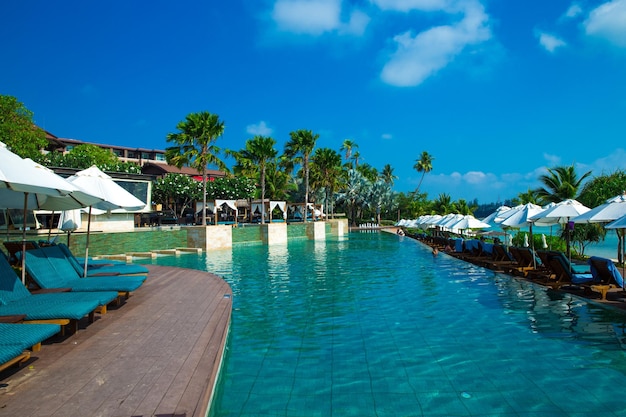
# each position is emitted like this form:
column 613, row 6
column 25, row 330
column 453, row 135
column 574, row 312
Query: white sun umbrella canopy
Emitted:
column 113, row 196
column 26, row 185
column 498, row 215
column 561, row 212
column 612, row 209
column 519, row 216
column 469, row 222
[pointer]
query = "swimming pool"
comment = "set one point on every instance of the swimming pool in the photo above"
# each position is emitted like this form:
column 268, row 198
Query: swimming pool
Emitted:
column 373, row 325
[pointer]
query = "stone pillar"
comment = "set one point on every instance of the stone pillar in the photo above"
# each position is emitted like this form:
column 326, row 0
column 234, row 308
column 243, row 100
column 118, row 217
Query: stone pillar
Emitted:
column 338, row 227
column 210, row 237
column 274, row 233
column 316, row 230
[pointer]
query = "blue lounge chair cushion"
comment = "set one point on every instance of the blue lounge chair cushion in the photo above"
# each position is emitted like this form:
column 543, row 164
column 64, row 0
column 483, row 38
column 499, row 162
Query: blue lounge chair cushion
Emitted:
column 16, row 299
column 26, row 335
column 50, row 271
column 99, row 269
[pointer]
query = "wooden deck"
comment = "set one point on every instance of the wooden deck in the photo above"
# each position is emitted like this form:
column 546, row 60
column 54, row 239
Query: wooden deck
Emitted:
column 156, row 355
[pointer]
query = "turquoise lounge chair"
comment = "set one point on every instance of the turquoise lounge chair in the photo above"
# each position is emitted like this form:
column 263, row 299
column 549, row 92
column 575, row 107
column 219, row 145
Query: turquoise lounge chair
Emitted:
column 15, row 338
column 52, row 307
column 49, row 268
column 98, row 268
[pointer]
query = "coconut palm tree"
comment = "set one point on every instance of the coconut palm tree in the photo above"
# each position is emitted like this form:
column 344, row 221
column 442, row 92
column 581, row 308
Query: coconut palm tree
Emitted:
column 194, row 146
column 424, row 165
column 387, row 175
column 348, row 146
column 560, row 183
column 299, row 148
column 258, row 153
column 325, row 172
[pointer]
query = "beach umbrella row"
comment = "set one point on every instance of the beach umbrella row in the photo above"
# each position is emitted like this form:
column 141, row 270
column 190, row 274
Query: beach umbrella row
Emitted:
column 457, row 223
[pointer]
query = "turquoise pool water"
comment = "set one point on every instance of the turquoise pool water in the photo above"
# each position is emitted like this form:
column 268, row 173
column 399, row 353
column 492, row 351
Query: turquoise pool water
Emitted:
column 373, row 325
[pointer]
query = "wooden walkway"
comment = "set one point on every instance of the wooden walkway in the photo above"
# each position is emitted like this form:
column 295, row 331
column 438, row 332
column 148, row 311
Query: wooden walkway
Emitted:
column 156, row 355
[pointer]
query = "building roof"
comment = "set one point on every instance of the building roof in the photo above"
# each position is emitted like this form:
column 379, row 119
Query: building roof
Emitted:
column 162, row 169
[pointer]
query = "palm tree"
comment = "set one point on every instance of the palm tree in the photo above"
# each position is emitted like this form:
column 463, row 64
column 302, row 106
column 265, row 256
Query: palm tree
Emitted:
column 348, row 145
column 356, row 157
column 194, row 145
column 380, row 195
column 299, row 148
column 258, row 153
column 325, row 172
column 424, row 165
column 561, row 183
column 387, row 175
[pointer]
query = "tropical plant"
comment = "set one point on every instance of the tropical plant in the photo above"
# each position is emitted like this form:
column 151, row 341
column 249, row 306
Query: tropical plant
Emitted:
column 531, row 196
column 258, row 153
column 194, row 146
column 326, row 173
column 443, row 204
column 560, row 183
column 599, row 189
column 17, row 129
column 176, row 192
column 387, row 175
column 299, row 148
column 379, row 197
column 348, row 146
column 424, row 165
column 230, row 188
column 278, row 183
column 354, row 193
column 368, row 172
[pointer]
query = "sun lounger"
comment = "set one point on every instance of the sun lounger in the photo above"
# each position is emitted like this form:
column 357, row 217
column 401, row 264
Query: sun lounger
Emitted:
column 564, row 272
column 606, row 275
column 49, row 268
column 16, row 338
column 53, row 307
column 95, row 268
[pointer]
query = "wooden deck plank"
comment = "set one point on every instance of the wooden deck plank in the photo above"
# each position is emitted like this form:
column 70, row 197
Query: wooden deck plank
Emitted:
column 157, row 354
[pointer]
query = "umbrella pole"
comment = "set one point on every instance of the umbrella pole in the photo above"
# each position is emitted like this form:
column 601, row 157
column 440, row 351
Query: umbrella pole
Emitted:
column 87, row 245
column 23, row 272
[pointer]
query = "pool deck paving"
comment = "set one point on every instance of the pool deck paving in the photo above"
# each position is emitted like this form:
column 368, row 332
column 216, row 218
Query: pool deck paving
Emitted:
column 158, row 354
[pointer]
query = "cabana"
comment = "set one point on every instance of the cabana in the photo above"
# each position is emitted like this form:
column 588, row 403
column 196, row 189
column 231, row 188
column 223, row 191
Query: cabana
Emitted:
column 270, row 207
column 296, row 212
column 224, row 211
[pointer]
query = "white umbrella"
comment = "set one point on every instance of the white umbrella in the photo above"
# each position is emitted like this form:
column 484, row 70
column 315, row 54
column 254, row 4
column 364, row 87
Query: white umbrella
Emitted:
column 113, row 196
column 27, row 185
column 497, row 215
column 561, row 213
column 469, row 222
column 520, row 216
column 612, row 209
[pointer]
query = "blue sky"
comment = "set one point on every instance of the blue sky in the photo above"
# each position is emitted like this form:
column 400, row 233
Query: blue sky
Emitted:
column 495, row 90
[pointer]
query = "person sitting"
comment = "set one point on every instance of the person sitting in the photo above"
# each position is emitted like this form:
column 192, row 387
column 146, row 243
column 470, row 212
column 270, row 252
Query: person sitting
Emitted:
column 435, row 251
column 400, row 232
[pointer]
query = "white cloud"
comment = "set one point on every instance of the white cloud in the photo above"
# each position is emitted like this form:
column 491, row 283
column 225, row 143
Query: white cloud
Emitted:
column 317, row 17
column 608, row 22
column 550, row 42
column 418, row 57
column 260, row 128
column 387, row 136
column 573, row 11
column 553, row 160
